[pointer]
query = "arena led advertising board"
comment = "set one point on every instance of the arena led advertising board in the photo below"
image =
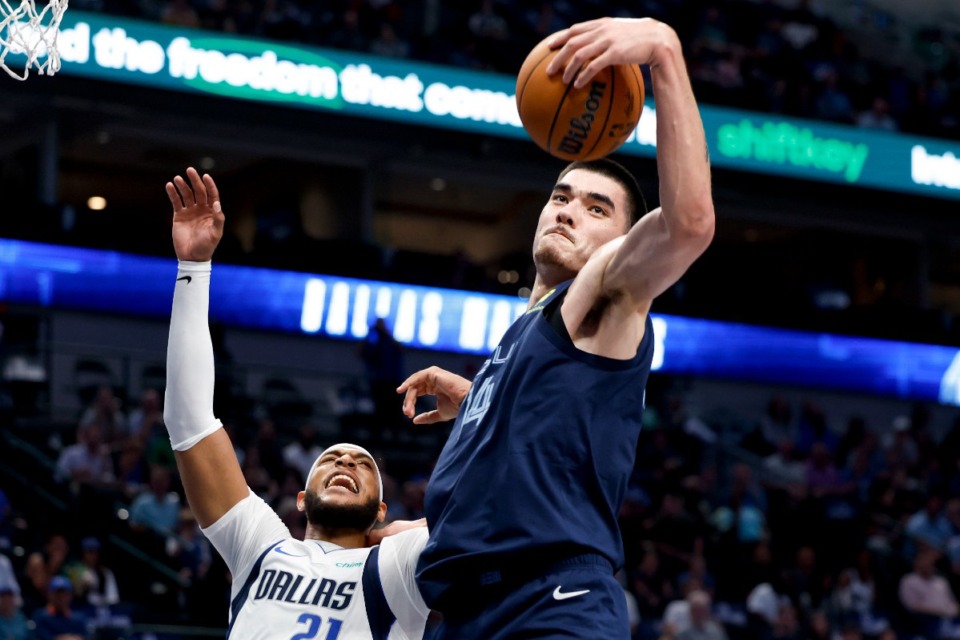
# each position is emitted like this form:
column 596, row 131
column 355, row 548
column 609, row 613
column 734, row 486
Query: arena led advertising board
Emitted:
column 401, row 91
column 461, row 321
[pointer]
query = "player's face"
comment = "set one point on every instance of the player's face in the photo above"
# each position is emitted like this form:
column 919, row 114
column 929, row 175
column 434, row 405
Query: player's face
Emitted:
column 344, row 476
column 585, row 211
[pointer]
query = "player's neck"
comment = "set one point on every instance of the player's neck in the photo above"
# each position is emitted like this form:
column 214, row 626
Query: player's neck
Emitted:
column 541, row 287
column 346, row 538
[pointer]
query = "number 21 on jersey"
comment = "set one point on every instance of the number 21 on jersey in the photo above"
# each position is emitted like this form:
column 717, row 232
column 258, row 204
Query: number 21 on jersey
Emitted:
column 313, row 627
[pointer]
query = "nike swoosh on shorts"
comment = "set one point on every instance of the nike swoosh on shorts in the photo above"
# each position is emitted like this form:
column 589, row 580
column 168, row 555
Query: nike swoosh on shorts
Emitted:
column 559, row 595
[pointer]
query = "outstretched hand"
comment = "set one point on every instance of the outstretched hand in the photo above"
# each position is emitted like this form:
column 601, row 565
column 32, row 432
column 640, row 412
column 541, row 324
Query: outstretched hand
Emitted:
column 197, row 216
column 590, row 46
column 449, row 388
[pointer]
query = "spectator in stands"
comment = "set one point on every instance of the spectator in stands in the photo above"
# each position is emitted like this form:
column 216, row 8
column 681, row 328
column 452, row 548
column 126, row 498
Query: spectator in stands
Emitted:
column 675, row 533
column 928, row 526
column 877, row 116
column 13, row 624
column 383, row 362
column 702, row 625
column 806, row 582
column 97, row 586
column 159, row 508
column 131, row 469
column 87, row 461
column 814, row 429
column 833, row 103
column 651, row 586
column 854, row 591
column 786, row 627
column 900, row 444
column 271, row 453
column 925, row 593
column 146, row 421
column 777, row 423
column 106, row 411
column 58, row 621
column 819, row 627
column 389, row 44
column 676, row 615
column 189, row 547
column 301, row 453
column 697, row 571
column 787, row 470
column 257, row 476
column 42, row 566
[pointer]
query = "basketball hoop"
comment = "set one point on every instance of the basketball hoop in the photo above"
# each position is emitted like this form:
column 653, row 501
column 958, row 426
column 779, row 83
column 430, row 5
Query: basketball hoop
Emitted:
column 25, row 31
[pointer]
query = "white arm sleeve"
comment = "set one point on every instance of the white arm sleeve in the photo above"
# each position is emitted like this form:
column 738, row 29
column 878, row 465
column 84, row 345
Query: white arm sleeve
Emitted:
column 398, row 564
column 188, row 402
column 242, row 533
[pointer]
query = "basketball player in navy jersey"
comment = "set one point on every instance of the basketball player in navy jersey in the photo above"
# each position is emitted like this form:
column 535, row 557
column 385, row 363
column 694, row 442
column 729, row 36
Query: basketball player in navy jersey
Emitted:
column 522, row 506
column 330, row 585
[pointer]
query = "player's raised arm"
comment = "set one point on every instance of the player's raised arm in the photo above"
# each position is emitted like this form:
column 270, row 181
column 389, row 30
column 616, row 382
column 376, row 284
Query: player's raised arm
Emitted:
column 664, row 243
column 208, row 465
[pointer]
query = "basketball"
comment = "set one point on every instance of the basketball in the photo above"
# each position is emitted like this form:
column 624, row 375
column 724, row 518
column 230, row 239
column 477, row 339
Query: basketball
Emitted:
column 578, row 124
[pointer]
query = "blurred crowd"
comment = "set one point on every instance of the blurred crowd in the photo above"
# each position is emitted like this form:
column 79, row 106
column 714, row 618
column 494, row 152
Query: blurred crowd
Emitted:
column 792, row 524
column 754, row 54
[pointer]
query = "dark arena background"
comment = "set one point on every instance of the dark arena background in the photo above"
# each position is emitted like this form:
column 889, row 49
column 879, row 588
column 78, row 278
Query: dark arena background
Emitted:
column 800, row 461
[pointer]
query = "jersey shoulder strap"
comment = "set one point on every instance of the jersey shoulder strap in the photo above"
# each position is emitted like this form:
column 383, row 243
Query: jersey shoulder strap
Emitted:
column 379, row 615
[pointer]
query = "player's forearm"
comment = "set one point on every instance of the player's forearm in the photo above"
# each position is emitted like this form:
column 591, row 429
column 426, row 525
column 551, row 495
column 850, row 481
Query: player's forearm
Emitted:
column 211, row 475
column 682, row 157
column 188, row 405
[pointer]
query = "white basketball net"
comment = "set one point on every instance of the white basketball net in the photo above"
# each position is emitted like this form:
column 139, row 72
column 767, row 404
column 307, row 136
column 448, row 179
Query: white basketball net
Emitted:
column 24, row 30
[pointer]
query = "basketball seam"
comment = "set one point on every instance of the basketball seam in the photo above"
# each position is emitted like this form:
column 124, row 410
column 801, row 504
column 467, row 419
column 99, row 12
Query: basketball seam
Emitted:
column 606, row 119
column 523, row 89
column 556, row 114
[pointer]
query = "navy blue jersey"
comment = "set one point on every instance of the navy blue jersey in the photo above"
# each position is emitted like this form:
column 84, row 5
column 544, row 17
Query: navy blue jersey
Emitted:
column 539, row 456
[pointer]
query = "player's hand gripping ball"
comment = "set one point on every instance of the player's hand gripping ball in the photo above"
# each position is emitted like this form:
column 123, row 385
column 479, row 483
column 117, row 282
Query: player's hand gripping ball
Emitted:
column 578, row 124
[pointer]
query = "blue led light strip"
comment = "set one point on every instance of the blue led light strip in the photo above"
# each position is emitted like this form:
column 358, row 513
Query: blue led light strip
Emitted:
column 461, row 321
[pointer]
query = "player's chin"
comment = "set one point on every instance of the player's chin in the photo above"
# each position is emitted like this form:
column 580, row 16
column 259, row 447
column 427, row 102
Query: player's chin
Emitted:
column 551, row 255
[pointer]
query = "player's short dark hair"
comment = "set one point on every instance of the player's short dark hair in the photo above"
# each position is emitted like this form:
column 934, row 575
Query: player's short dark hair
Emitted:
column 636, row 204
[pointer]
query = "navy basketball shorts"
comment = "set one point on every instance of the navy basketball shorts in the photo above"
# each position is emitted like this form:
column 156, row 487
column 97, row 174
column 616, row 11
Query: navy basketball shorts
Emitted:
column 577, row 598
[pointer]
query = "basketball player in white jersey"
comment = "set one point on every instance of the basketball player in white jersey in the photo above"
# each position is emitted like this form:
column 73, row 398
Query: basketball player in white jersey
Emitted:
column 330, row 585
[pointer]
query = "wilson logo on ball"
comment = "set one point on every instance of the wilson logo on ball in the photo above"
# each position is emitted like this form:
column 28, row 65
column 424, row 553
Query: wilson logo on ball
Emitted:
column 578, row 124
column 580, row 127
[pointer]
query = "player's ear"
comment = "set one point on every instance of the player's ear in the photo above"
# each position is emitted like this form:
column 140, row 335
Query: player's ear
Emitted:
column 382, row 512
column 301, row 505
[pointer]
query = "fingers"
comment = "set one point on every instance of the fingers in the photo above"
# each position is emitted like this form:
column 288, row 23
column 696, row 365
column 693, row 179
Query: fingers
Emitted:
column 574, row 38
column 559, row 39
column 174, row 196
column 199, row 189
column 213, row 194
column 410, row 401
column 185, row 191
column 582, row 56
column 592, row 68
column 428, row 417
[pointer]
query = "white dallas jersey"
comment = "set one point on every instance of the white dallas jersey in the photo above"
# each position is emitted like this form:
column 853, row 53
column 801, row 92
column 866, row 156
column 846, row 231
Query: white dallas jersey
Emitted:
column 288, row 589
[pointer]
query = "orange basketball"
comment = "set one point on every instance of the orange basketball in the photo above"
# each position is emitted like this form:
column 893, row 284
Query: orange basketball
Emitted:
column 578, row 124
